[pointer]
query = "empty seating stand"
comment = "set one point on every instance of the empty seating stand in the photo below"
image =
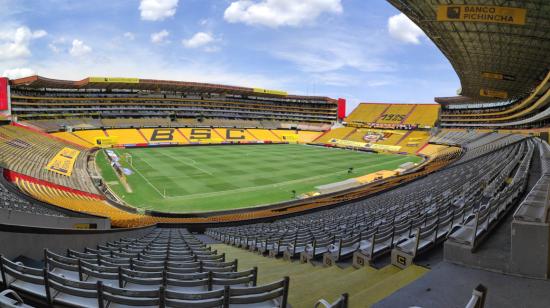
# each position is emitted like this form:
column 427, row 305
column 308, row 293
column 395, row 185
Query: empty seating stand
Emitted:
column 531, row 224
column 28, row 152
column 166, row 268
column 409, row 220
column 11, row 201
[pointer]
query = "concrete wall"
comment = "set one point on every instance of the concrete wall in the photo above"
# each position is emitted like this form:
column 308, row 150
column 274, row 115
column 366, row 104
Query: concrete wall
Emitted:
column 30, row 241
column 530, row 249
column 28, row 219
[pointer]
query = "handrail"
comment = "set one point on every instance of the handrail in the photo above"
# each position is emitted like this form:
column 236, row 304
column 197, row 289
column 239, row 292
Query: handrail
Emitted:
column 478, row 297
column 535, row 206
column 341, row 302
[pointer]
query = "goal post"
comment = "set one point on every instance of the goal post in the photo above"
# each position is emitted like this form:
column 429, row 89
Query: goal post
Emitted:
column 128, row 158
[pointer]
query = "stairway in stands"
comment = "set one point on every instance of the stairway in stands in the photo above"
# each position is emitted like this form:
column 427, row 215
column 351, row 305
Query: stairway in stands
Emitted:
column 408, row 114
column 365, row 286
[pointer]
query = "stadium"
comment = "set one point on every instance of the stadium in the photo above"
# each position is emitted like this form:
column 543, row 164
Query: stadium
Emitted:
column 132, row 192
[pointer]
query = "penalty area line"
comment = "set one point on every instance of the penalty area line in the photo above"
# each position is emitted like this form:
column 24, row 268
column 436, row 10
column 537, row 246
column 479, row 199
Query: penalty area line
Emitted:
column 187, row 163
column 147, row 180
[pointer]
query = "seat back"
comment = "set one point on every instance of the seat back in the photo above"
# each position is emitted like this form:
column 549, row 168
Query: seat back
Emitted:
column 248, row 277
column 62, row 285
column 109, row 295
column 276, row 292
column 11, row 271
column 209, row 299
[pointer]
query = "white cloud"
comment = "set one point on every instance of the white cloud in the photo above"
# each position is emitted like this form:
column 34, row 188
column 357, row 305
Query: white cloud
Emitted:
column 276, row 13
column 14, row 44
column 130, row 36
column 159, row 37
column 53, row 47
column 335, row 51
column 79, row 48
column 200, row 39
column 156, row 10
column 15, row 73
column 154, row 67
column 336, row 79
column 403, row 29
column 39, row 34
column 56, row 45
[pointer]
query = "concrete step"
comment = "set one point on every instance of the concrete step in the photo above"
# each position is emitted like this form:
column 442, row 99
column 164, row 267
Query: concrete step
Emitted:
column 310, row 283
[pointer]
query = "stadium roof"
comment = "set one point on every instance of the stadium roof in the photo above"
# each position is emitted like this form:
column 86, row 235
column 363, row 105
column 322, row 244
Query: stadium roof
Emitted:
column 149, row 84
column 500, row 48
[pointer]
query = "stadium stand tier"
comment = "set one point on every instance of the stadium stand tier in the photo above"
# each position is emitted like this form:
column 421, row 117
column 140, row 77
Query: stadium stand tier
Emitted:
column 158, row 103
column 184, row 136
column 430, row 208
column 163, row 268
column 378, row 114
column 11, row 201
column 401, row 128
column 29, row 152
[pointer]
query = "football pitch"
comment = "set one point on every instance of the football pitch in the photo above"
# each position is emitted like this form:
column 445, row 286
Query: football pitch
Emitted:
column 212, row 178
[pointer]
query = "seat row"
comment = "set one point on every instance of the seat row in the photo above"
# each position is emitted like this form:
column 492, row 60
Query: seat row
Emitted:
column 165, row 268
column 412, row 217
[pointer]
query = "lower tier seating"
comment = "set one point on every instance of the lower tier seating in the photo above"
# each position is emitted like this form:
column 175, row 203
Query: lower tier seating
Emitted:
column 165, row 268
column 28, row 152
column 412, row 218
column 184, row 136
column 81, row 203
column 396, row 140
column 12, row 202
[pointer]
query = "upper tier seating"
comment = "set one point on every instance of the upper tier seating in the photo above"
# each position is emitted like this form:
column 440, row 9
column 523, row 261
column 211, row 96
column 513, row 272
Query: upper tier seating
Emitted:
column 531, row 109
column 431, row 207
column 367, row 113
column 420, row 114
column 424, row 115
column 166, row 268
column 396, row 114
column 27, row 152
column 55, row 125
column 136, row 122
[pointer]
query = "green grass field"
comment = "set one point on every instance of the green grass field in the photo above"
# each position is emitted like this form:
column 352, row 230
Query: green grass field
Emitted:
column 210, row 178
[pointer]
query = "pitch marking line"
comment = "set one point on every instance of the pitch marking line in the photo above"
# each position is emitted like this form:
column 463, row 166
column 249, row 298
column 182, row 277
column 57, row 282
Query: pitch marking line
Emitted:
column 277, row 185
column 146, row 179
column 186, row 163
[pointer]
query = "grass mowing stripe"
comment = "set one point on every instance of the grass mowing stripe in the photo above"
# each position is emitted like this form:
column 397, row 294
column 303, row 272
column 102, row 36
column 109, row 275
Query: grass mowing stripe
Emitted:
column 280, row 184
column 146, row 179
column 243, row 176
column 186, row 163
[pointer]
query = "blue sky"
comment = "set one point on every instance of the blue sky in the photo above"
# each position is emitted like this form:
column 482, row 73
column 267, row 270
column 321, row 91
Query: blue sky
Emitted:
column 361, row 50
